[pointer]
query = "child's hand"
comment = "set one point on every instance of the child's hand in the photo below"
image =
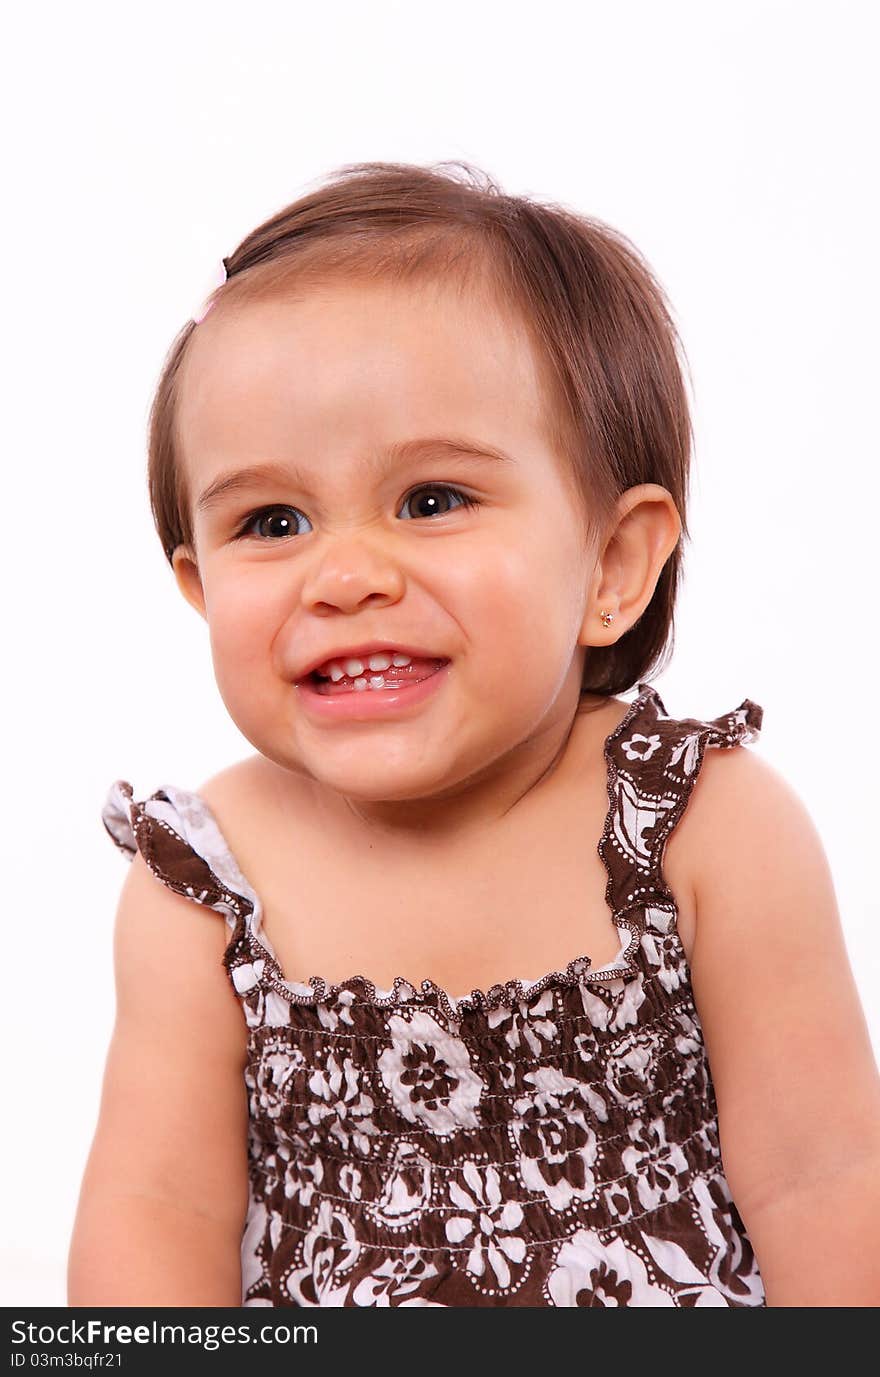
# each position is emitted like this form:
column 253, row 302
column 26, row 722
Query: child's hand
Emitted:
column 164, row 1196
column 795, row 1077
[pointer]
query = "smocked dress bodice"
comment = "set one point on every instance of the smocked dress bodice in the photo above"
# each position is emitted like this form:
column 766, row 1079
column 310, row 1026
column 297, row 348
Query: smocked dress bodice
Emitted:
column 547, row 1142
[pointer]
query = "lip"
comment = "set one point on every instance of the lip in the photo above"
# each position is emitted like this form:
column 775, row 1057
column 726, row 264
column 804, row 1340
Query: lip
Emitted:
column 370, row 705
column 368, row 648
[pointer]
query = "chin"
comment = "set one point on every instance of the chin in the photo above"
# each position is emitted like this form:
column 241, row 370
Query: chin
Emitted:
column 369, row 784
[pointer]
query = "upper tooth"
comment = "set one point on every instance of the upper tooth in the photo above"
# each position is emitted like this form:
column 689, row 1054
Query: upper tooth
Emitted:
column 382, row 659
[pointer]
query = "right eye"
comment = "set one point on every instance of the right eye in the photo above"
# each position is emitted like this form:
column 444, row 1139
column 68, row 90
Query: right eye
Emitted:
column 261, row 515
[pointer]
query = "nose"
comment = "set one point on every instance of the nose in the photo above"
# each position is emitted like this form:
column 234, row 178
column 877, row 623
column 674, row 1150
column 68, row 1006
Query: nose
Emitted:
column 352, row 573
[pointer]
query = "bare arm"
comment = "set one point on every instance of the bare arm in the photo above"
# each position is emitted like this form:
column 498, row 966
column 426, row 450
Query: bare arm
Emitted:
column 795, row 1076
column 164, row 1194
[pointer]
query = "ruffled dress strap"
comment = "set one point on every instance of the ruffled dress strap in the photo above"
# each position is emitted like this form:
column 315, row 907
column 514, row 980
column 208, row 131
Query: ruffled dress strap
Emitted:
column 179, row 839
column 181, row 842
column 653, row 761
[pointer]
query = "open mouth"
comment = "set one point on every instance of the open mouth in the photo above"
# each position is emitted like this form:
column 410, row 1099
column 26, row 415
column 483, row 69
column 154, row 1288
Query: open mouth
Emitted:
column 396, row 677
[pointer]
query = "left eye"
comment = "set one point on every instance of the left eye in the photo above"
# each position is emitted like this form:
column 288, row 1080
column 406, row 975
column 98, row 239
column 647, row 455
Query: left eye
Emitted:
column 428, row 503
column 467, row 501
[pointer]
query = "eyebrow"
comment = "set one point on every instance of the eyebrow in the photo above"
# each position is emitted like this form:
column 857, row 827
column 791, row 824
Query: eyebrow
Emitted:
column 393, row 456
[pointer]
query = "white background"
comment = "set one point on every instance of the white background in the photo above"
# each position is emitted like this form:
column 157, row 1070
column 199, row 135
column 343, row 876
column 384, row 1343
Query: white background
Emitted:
column 734, row 144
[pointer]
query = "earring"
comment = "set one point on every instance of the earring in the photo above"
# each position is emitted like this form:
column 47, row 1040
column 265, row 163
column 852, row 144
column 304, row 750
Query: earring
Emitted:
column 607, row 618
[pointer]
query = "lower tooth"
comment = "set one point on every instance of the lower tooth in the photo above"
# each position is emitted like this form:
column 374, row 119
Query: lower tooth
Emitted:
column 361, row 684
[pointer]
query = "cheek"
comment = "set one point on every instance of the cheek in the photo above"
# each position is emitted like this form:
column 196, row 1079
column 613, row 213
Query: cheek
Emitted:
column 243, row 618
column 520, row 594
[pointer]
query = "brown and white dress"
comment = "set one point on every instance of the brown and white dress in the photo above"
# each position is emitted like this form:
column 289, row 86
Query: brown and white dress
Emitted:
column 549, row 1142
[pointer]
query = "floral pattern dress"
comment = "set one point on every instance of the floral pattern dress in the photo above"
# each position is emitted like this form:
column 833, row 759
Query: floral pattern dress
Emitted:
column 546, row 1143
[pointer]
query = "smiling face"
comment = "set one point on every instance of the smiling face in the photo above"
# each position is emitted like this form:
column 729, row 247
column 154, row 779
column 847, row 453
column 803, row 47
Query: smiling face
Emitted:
column 356, row 546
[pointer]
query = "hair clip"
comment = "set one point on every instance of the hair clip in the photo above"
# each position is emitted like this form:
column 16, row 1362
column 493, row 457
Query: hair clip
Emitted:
column 218, row 277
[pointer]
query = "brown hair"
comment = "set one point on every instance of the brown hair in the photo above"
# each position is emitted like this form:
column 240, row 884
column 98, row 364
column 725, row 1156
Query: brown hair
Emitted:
column 598, row 320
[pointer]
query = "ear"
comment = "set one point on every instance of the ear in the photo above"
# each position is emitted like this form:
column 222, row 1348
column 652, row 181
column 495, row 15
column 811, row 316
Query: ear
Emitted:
column 186, row 571
column 642, row 536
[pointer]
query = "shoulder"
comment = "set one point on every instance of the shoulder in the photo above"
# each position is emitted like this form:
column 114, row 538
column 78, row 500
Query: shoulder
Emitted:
column 255, row 803
column 242, row 790
column 232, row 796
column 168, row 960
column 169, row 939
column 742, row 812
column 231, row 780
column 731, row 785
column 752, row 852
